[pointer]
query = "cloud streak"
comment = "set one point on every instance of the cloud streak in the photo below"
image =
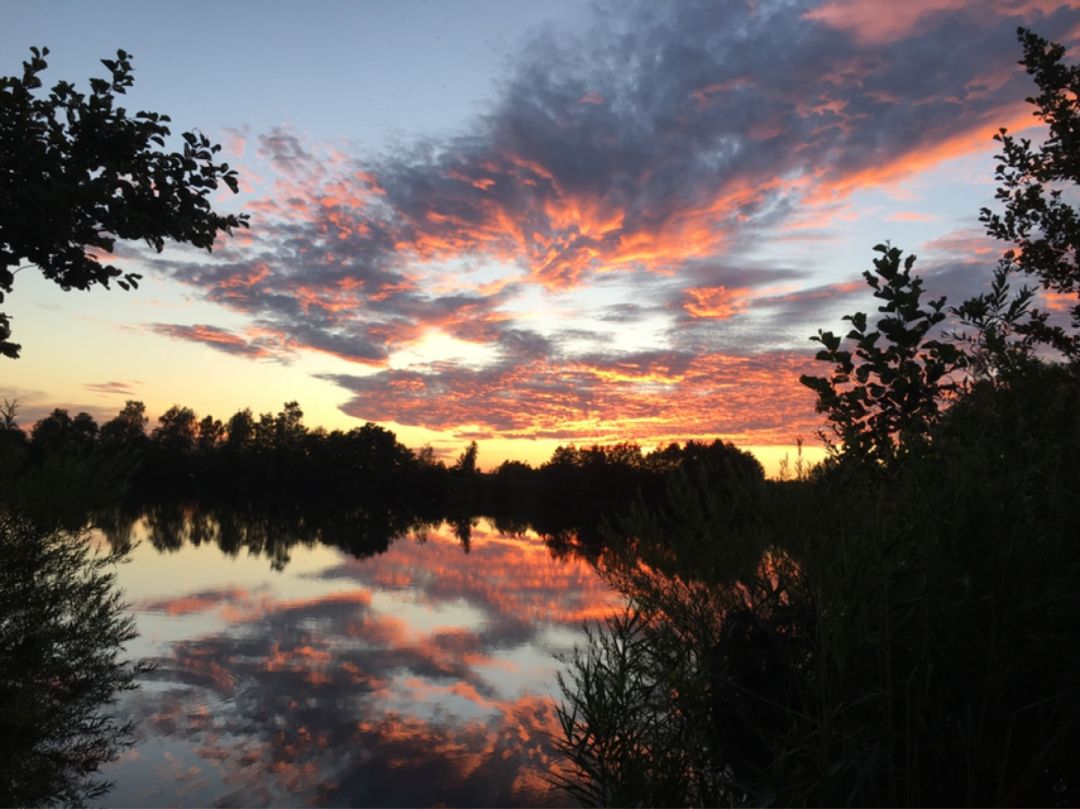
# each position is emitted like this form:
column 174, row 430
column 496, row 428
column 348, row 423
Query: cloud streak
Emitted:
column 113, row 388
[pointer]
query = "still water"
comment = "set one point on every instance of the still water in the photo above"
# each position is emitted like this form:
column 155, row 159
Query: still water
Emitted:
column 423, row 675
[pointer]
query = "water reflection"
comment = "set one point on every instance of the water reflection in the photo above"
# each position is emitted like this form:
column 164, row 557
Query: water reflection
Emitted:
column 62, row 626
column 263, row 530
column 409, row 673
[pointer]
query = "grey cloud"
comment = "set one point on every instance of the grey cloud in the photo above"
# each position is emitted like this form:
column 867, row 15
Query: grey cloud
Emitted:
column 286, row 151
column 217, row 338
column 521, row 345
column 619, row 313
column 113, row 388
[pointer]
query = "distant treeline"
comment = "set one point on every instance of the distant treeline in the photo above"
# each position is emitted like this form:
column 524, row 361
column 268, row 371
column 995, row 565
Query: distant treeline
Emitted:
column 275, row 457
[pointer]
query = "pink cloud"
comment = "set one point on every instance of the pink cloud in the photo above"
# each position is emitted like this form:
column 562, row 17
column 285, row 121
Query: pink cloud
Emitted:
column 882, row 22
column 718, row 302
column 910, row 216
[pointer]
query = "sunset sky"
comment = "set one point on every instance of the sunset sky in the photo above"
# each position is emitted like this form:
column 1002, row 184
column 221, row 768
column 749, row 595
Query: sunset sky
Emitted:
column 531, row 223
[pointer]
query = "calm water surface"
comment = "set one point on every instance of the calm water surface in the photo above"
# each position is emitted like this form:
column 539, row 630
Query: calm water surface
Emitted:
column 424, row 675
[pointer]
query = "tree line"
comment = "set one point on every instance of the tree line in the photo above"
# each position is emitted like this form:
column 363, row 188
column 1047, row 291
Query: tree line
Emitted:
column 275, row 455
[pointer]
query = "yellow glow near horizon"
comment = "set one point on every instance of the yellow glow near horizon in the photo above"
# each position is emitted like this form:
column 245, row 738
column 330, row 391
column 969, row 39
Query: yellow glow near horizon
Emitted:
column 435, row 345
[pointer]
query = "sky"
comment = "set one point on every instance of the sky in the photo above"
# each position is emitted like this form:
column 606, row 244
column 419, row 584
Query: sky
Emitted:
column 532, row 223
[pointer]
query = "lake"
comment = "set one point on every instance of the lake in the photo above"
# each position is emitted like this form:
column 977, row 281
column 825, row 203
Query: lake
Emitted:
column 298, row 673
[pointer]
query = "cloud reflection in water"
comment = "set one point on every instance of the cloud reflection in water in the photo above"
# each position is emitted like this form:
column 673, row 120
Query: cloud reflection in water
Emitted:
column 418, row 677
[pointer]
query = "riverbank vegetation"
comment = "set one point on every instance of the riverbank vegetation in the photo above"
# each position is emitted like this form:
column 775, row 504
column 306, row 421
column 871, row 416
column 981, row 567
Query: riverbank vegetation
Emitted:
column 898, row 626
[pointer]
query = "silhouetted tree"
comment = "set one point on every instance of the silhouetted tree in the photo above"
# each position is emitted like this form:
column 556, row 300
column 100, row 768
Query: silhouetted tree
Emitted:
column 176, row 431
column 211, row 432
column 625, row 453
column 58, row 432
column 665, row 459
column 240, row 430
column 289, row 427
column 425, row 456
column 466, row 461
column 77, row 173
column 84, row 432
column 1039, row 218
column 1006, row 327
column 127, row 430
column 13, row 444
column 888, row 392
column 50, row 433
column 8, row 411
column 514, row 470
column 375, row 451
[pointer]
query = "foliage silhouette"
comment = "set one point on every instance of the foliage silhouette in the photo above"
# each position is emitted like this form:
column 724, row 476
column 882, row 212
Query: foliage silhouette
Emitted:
column 127, row 430
column 1037, row 218
column 62, row 628
column 1006, row 327
column 466, row 462
column 58, row 432
column 77, row 173
column 59, row 474
column 887, row 396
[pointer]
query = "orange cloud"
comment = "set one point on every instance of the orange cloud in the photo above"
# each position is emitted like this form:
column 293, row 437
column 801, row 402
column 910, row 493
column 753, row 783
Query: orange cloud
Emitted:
column 330, row 299
column 976, row 137
column 910, row 216
column 827, row 292
column 880, row 22
column 212, row 336
column 704, row 95
column 965, row 243
column 755, row 399
column 619, row 165
column 198, row 602
column 242, row 283
column 1059, row 301
column 718, row 302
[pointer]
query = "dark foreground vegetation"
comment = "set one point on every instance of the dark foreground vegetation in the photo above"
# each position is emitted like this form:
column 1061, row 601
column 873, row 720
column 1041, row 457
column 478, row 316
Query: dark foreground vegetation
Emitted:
column 901, row 635
column 898, row 626
column 62, row 628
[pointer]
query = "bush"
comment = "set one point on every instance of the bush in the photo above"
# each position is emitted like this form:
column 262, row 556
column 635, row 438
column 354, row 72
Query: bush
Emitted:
column 902, row 639
column 63, row 625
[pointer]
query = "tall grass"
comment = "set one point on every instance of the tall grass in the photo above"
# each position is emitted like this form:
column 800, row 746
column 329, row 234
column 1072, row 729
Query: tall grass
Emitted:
column 901, row 636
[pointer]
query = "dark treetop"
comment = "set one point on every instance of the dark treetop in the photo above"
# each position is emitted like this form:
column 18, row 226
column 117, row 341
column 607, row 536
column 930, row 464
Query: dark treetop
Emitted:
column 77, row 173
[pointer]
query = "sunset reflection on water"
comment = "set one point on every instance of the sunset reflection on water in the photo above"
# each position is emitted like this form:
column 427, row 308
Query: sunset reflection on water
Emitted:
column 421, row 676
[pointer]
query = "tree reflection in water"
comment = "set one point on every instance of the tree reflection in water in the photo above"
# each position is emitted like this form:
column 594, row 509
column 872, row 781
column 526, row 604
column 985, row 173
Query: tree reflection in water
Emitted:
column 259, row 529
column 403, row 671
column 63, row 625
